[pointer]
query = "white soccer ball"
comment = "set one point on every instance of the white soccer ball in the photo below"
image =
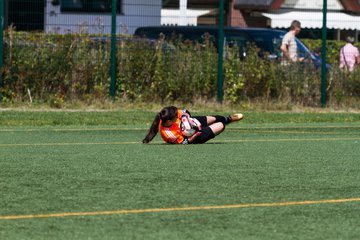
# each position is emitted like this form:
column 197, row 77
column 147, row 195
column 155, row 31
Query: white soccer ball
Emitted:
column 189, row 126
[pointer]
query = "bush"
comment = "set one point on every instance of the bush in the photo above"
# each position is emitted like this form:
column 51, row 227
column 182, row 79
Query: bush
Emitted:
column 56, row 69
column 47, row 66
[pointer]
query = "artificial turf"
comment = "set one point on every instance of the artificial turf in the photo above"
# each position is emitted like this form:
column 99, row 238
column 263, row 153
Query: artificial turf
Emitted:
column 81, row 168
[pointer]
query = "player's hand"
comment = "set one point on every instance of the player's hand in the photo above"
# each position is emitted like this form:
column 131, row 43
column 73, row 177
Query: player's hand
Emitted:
column 186, row 112
column 190, row 139
column 198, row 133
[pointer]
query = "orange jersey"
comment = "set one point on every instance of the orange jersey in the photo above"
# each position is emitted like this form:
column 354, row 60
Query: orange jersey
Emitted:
column 172, row 134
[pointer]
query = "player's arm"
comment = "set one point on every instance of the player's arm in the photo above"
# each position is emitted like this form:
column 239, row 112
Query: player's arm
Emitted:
column 191, row 139
column 285, row 49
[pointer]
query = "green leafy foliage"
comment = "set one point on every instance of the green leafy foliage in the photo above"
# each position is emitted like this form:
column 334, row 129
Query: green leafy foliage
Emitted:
column 56, row 69
column 332, row 49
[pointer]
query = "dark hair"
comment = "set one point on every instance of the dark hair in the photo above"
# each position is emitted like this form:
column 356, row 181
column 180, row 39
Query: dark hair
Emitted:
column 295, row 24
column 350, row 39
column 167, row 113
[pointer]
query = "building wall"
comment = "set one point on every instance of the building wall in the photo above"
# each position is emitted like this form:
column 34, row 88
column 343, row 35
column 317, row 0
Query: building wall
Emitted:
column 173, row 17
column 136, row 13
column 235, row 17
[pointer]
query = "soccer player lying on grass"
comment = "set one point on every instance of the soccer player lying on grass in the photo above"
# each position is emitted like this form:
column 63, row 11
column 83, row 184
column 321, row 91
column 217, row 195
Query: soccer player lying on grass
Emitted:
column 179, row 127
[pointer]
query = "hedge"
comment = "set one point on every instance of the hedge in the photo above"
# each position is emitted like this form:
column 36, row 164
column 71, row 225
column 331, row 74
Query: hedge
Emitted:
column 54, row 69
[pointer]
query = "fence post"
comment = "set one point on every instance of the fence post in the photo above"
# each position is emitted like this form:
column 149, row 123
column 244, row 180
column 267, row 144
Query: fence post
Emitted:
column 113, row 62
column 2, row 23
column 220, row 53
column 323, row 57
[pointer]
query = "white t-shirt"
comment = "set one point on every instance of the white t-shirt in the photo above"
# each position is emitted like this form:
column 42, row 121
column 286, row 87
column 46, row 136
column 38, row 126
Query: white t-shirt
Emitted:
column 289, row 40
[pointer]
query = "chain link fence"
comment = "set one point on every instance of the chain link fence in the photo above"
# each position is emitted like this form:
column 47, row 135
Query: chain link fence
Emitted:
column 56, row 51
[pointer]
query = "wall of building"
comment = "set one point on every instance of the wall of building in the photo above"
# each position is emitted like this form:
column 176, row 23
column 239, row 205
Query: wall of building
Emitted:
column 135, row 13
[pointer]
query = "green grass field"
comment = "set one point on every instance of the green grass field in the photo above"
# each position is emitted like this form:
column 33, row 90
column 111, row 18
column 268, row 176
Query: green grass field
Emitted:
column 87, row 176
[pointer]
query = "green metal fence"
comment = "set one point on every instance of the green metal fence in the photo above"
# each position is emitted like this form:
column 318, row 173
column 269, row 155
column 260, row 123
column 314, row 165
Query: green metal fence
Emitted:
column 65, row 49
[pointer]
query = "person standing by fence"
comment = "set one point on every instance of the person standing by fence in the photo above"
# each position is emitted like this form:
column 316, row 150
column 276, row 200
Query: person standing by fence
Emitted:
column 349, row 55
column 289, row 46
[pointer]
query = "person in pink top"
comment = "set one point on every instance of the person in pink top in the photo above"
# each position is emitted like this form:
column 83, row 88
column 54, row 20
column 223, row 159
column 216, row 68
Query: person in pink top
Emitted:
column 349, row 55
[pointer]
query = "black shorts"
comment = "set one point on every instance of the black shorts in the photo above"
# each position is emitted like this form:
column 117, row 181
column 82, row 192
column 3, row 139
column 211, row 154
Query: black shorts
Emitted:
column 206, row 132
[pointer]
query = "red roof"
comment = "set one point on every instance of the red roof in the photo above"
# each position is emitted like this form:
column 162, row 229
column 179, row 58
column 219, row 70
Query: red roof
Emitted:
column 259, row 4
column 351, row 5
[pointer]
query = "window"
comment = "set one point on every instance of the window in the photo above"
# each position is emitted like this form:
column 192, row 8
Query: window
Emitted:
column 92, row 6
